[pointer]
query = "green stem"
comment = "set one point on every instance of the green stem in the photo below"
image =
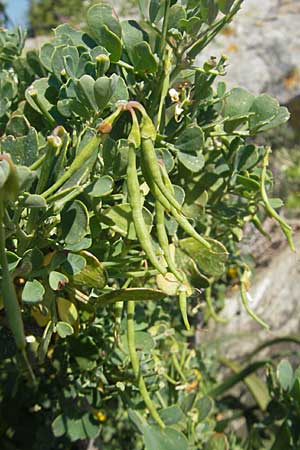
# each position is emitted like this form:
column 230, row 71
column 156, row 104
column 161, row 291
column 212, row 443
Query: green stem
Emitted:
column 44, row 111
column 164, row 29
column 38, row 162
column 286, row 229
column 211, row 309
column 77, row 164
column 10, row 301
column 203, row 41
column 178, row 368
column 136, row 365
column 243, row 290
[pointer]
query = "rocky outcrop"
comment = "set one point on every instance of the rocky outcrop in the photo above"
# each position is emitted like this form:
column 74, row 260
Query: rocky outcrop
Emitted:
column 263, row 46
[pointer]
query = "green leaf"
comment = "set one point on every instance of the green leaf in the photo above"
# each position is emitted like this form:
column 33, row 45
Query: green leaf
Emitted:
column 105, row 29
column 103, row 90
column 12, row 260
column 44, row 92
column 192, row 163
column 256, row 386
column 23, row 150
column 167, row 439
column 176, row 14
column 211, row 261
column 67, row 311
column 205, row 407
column 280, row 118
column 249, row 183
column 225, row 5
column 238, row 103
column 17, row 126
column 191, row 140
column 209, row 10
column 57, row 280
column 112, row 43
column 154, row 8
column 60, row 56
column 143, row 59
column 276, row 203
column 120, row 91
column 59, row 426
column 143, row 342
column 236, row 378
column 46, row 53
column 101, row 187
column 33, row 292
column 121, row 220
column 74, row 263
column 85, row 91
column 264, row 109
column 172, row 415
column 93, row 274
column 285, row 375
column 132, row 35
column 99, row 15
column 134, row 294
column 217, row 442
column 74, row 222
column 75, row 429
column 91, row 426
column 64, row 329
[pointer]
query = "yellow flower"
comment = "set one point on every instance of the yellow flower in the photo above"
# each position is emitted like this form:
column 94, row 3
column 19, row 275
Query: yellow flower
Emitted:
column 100, row 416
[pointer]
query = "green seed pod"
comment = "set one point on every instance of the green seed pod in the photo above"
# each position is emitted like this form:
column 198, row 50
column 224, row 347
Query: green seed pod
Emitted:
column 9, row 181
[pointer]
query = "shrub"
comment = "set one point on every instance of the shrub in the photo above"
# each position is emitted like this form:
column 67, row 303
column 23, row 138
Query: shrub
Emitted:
column 126, row 181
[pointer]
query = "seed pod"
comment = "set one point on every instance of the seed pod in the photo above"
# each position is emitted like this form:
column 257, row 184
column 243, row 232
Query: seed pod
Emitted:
column 9, row 181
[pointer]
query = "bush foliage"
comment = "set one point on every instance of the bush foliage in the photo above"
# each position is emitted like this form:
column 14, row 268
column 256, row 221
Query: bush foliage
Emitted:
column 126, row 180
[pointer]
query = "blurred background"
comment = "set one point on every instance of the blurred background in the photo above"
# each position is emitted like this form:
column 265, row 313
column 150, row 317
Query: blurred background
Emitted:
column 263, row 48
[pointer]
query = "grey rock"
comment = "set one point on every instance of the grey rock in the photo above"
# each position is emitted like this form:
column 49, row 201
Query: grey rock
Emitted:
column 263, row 47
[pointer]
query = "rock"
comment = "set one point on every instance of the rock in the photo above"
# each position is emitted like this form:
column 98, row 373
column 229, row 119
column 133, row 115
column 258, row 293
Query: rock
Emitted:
column 262, row 43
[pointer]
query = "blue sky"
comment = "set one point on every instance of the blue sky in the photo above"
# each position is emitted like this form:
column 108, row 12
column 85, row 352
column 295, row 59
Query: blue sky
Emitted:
column 16, row 10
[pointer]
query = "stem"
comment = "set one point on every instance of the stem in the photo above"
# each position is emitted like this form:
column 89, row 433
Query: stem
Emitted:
column 77, row 164
column 44, row 111
column 211, row 309
column 205, row 39
column 164, row 29
column 165, row 87
column 136, row 365
column 10, row 301
column 38, row 162
column 178, row 368
column 286, row 229
column 243, row 290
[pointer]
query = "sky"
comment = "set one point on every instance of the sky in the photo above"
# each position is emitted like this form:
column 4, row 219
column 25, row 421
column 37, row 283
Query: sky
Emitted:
column 16, row 10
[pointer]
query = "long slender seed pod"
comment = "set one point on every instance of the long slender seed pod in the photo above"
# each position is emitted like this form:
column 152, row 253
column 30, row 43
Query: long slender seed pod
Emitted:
column 150, row 160
column 244, row 294
column 183, row 308
column 178, row 367
column 286, row 229
column 181, row 220
column 137, row 213
column 10, row 302
column 136, row 365
column 163, row 240
column 210, row 306
column 77, row 164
